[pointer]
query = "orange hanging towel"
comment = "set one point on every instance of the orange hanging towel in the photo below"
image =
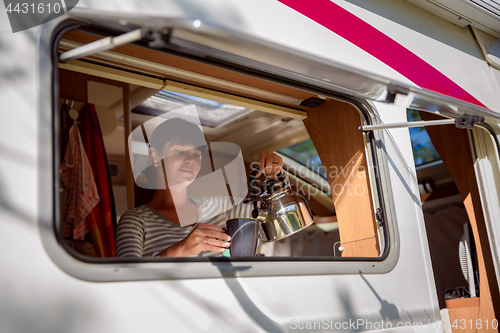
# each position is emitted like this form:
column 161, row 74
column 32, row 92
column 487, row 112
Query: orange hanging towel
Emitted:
column 79, row 196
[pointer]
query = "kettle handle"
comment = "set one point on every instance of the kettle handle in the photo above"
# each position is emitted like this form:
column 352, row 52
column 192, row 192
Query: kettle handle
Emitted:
column 254, row 190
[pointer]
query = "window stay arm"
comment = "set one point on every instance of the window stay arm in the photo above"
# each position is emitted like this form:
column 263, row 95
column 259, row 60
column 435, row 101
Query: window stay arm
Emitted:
column 101, row 45
column 464, row 121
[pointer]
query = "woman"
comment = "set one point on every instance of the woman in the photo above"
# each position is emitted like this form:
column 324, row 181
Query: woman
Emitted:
column 172, row 224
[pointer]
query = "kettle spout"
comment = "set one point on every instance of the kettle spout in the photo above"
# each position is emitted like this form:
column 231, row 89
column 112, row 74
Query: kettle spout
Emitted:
column 259, row 214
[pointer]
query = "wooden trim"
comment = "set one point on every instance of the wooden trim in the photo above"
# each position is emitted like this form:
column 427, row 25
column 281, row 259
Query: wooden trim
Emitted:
column 462, row 302
column 166, row 59
column 73, row 85
column 453, row 146
column 333, row 128
column 464, row 316
column 111, row 73
column 325, row 219
column 207, row 91
column 71, row 78
column 193, row 82
column 127, row 123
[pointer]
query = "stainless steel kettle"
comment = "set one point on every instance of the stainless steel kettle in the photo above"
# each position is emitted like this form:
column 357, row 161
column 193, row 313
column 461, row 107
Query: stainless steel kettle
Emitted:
column 280, row 211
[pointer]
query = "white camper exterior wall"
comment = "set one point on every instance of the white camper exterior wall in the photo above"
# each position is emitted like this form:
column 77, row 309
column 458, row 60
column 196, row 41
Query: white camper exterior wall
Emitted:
column 445, row 46
column 442, row 44
column 37, row 296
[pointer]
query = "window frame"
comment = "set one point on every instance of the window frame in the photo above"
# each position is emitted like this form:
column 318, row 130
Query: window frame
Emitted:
column 488, row 152
column 125, row 269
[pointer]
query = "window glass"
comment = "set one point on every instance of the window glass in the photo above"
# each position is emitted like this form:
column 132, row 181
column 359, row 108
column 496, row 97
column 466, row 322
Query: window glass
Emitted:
column 172, row 143
column 444, row 212
column 221, row 183
column 211, row 113
column 305, row 153
column 423, row 149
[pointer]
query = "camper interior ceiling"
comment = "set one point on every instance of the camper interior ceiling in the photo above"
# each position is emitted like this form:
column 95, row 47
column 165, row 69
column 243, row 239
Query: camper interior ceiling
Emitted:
column 382, row 212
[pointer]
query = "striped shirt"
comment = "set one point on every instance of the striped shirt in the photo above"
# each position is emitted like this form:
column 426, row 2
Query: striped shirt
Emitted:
column 143, row 232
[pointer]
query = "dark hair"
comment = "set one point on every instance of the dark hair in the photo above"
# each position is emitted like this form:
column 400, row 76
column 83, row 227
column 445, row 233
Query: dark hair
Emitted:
column 179, row 131
column 172, row 130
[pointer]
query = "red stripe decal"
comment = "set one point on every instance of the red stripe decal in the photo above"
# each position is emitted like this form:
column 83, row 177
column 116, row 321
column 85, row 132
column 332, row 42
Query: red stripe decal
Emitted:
column 353, row 29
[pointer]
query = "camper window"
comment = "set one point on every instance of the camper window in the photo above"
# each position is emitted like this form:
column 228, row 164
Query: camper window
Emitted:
column 107, row 109
column 453, row 213
column 235, row 135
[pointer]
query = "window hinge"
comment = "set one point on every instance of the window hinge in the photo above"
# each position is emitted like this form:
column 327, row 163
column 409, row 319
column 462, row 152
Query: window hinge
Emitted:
column 159, row 38
column 379, row 217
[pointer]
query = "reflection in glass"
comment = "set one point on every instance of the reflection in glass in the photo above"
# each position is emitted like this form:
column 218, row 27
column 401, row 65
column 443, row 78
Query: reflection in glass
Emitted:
column 305, row 153
column 423, row 149
column 210, row 113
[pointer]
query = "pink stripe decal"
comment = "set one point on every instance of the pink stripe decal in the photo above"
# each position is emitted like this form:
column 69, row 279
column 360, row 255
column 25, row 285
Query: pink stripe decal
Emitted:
column 353, row 29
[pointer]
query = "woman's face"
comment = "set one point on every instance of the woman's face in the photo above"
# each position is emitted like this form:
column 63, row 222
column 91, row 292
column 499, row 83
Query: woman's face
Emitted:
column 182, row 163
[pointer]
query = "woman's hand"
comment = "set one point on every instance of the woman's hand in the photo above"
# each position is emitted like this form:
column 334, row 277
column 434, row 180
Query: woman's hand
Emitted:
column 270, row 164
column 205, row 236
